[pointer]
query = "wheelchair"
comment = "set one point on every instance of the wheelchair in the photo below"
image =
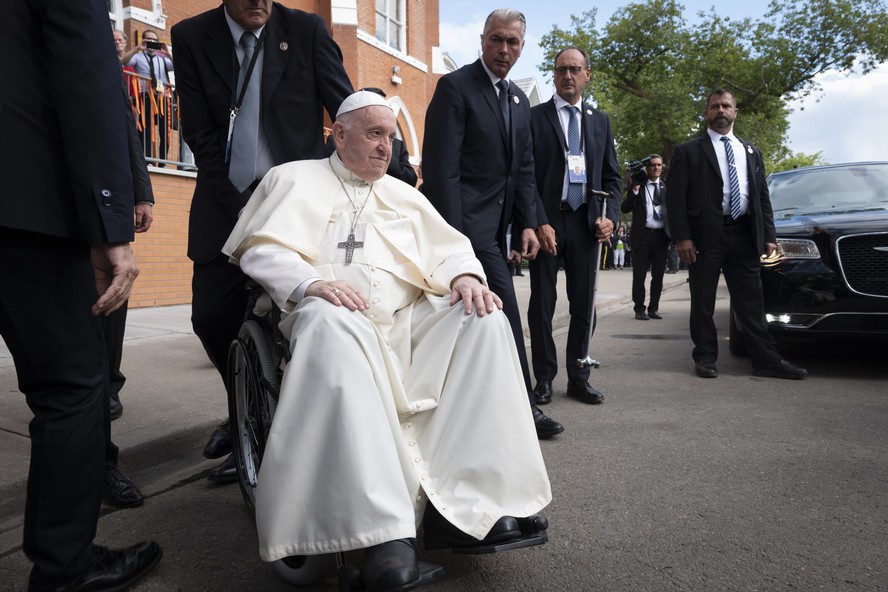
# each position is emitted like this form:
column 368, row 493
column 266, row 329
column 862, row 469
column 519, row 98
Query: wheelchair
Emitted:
column 256, row 362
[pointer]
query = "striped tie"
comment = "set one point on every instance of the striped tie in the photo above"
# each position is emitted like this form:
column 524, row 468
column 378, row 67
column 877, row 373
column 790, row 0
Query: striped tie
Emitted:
column 574, row 190
column 732, row 179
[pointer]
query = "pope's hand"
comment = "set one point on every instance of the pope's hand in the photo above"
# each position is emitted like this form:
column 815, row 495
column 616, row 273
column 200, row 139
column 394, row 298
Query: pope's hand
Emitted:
column 475, row 295
column 339, row 293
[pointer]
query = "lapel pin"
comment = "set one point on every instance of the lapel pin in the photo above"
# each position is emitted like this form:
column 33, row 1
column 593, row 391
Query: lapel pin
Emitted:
column 515, row 98
column 284, row 46
column 749, row 149
column 588, row 111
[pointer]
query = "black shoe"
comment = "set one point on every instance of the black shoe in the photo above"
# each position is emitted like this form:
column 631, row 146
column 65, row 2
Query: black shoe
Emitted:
column 705, row 369
column 226, row 472
column 113, row 570
column 781, row 369
column 653, row 314
column 219, row 443
column 641, row 316
column 120, row 492
column 439, row 533
column 546, row 427
column 116, row 406
column 582, row 391
column 392, row 566
column 542, row 392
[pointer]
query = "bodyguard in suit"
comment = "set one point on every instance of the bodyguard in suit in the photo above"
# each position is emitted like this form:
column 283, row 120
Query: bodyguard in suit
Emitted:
column 66, row 221
column 720, row 217
column 573, row 151
column 477, row 164
column 279, row 81
column 649, row 240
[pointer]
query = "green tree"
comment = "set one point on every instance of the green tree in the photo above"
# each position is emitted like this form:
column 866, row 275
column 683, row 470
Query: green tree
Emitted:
column 652, row 70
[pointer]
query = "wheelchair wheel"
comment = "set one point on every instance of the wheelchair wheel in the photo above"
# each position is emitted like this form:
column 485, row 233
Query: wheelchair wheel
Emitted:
column 254, row 381
column 303, row 570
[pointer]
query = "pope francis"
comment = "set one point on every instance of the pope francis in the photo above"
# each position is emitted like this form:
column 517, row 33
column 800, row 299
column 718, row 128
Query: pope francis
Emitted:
column 404, row 392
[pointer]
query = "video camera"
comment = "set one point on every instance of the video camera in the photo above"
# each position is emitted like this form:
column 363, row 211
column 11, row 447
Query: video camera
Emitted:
column 636, row 170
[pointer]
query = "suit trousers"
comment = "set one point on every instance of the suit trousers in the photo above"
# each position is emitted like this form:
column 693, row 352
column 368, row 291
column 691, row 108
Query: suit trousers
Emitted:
column 46, row 292
column 651, row 252
column 737, row 258
column 218, row 307
column 499, row 279
column 577, row 248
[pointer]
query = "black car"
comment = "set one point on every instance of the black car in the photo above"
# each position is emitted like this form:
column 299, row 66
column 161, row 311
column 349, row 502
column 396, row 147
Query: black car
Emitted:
column 829, row 277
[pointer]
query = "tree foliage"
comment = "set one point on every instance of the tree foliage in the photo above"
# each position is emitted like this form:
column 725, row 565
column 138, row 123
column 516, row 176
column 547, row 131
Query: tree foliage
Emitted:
column 652, row 70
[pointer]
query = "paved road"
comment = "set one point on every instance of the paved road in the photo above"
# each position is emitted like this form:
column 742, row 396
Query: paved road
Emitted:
column 674, row 483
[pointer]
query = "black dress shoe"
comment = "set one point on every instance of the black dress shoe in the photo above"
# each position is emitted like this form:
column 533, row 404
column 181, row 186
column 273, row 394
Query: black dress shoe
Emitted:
column 653, row 314
column 392, row 566
column 781, row 369
column 583, row 391
column 113, row 570
column 120, row 492
column 219, row 443
column 225, row 472
column 546, row 427
column 439, row 533
column 642, row 316
column 705, row 369
column 542, row 392
column 116, row 406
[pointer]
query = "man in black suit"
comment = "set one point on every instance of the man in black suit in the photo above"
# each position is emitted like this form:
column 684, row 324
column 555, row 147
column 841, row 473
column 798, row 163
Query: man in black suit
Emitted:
column 399, row 166
column 573, row 151
column 477, row 163
column 299, row 71
column 66, row 221
column 719, row 215
column 649, row 240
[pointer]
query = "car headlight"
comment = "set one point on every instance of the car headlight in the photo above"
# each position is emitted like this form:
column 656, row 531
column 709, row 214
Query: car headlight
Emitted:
column 793, row 248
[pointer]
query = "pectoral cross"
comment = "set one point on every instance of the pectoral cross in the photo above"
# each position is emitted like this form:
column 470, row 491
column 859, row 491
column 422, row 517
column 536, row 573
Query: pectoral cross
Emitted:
column 350, row 244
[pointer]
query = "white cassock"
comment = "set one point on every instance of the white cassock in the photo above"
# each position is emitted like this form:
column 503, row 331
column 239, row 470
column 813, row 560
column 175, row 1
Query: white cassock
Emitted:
column 380, row 411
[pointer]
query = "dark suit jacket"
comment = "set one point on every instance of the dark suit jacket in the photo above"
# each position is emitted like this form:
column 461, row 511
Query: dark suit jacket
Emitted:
column 637, row 204
column 302, row 74
column 694, row 201
column 473, row 175
column 63, row 159
column 549, row 146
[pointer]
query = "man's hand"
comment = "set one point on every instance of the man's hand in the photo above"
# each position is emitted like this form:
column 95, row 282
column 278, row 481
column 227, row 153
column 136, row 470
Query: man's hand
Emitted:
column 604, row 228
column 475, row 295
column 770, row 249
column 144, row 217
column 546, row 236
column 686, row 250
column 339, row 293
column 530, row 245
column 115, row 270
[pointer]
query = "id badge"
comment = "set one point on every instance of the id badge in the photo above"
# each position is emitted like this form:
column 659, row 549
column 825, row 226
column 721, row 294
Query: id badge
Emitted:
column 576, row 166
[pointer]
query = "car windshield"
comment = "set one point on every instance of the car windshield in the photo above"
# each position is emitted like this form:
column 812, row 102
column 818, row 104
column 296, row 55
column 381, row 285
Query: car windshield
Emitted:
column 828, row 188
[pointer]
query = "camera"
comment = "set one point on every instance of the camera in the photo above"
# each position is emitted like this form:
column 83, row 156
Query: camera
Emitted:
column 636, row 170
column 156, row 45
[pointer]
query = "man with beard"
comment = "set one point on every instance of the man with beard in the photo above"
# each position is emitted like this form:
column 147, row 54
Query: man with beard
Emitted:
column 719, row 214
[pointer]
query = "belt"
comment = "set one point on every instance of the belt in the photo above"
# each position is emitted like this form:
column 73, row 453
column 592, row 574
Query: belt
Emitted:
column 649, row 229
column 728, row 221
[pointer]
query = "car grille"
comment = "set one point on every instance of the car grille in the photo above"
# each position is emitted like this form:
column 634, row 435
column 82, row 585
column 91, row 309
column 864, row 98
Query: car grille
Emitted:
column 865, row 268
column 853, row 323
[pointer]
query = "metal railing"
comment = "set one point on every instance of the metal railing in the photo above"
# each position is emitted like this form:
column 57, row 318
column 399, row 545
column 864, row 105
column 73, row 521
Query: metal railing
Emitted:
column 157, row 120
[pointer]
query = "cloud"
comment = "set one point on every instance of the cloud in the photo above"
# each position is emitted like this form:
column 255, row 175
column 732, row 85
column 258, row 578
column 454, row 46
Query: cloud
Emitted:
column 842, row 124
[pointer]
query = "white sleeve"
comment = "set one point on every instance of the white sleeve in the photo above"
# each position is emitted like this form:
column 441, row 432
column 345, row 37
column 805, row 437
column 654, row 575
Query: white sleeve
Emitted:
column 282, row 272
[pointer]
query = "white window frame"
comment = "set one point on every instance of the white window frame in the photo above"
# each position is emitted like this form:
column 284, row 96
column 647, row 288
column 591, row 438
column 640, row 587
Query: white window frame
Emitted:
column 115, row 14
column 401, row 6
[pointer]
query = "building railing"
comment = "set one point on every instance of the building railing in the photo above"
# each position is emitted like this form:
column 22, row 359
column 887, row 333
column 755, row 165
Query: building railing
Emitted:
column 157, row 121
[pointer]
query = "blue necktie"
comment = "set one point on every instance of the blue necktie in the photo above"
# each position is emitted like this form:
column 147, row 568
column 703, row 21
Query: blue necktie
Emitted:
column 574, row 190
column 244, row 144
column 732, row 179
column 504, row 103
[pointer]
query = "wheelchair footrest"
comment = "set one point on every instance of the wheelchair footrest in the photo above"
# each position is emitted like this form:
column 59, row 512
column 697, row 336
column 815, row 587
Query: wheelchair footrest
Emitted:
column 530, row 540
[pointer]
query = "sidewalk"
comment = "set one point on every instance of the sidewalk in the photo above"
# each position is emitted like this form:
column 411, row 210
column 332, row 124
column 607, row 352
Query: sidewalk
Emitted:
column 173, row 396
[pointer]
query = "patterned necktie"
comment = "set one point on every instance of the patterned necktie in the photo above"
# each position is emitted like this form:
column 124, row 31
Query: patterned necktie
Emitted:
column 574, row 190
column 242, row 167
column 504, row 104
column 732, row 179
column 655, row 200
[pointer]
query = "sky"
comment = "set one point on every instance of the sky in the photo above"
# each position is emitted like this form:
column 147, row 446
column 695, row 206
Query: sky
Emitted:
column 838, row 125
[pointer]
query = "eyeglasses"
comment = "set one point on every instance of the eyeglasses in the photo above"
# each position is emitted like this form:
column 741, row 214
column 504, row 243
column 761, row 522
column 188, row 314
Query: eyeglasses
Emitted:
column 574, row 70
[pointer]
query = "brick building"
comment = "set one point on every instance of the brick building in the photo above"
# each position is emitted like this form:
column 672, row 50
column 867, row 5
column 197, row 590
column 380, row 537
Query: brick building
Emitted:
column 389, row 44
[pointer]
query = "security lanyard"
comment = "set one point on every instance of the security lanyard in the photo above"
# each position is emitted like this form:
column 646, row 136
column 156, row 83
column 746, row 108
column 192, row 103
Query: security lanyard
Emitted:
column 238, row 100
